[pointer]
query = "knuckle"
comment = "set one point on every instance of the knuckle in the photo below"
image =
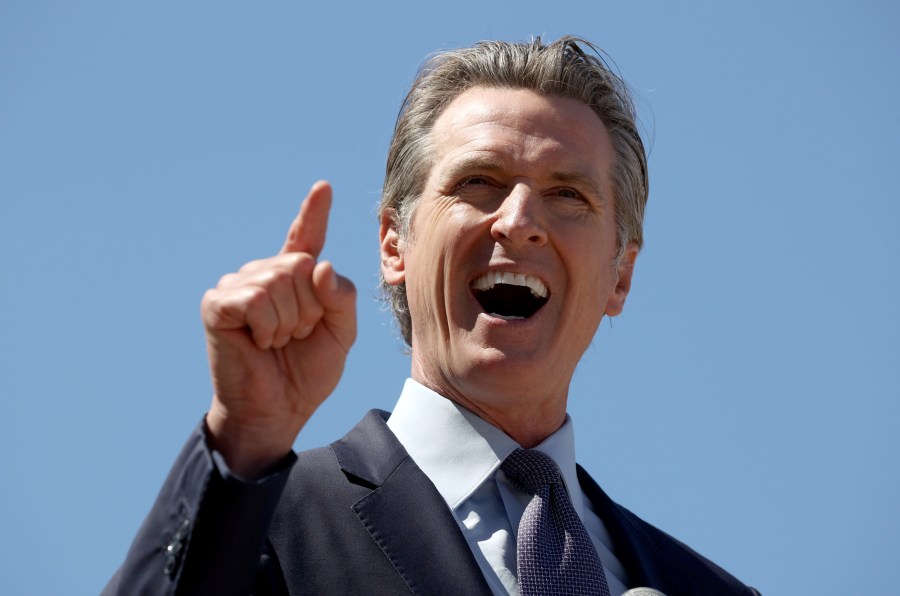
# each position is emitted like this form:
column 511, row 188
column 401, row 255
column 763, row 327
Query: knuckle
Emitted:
column 228, row 280
column 301, row 263
column 213, row 300
column 280, row 277
column 310, row 314
column 255, row 297
column 251, row 266
column 209, row 298
column 261, row 320
column 209, row 307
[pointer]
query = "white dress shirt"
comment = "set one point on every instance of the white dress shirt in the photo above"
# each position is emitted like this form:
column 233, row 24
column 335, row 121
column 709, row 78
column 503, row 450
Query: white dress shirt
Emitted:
column 461, row 454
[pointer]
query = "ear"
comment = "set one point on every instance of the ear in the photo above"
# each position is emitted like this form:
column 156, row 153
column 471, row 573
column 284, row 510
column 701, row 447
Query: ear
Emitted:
column 625, row 270
column 393, row 269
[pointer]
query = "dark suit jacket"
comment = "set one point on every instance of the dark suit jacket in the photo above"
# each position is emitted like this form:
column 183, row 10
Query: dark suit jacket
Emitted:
column 357, row 516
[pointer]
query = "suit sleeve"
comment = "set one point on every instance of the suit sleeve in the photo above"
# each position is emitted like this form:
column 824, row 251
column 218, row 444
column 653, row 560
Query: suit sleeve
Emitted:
column 206, row 532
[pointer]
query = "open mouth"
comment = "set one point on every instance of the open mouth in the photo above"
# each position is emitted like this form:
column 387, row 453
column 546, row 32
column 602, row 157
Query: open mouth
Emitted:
column 510, row 295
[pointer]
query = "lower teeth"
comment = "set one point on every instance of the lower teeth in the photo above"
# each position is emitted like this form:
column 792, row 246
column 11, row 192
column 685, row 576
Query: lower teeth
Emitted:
column 507, row 318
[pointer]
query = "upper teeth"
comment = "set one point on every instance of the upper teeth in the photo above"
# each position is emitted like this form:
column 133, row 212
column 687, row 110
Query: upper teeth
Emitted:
column 492, row 278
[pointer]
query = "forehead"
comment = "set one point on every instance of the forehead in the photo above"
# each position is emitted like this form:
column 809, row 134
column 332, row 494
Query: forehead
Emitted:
column 522, row 126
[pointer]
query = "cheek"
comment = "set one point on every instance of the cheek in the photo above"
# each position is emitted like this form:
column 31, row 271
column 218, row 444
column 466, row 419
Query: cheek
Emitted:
column 445, row 234
column 426, row 265
column 589, row 251
column 592, row 279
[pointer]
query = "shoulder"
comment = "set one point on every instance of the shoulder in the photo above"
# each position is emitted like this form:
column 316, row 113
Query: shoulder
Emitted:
column 345, row 471
column 685, row 566
column 655, row 558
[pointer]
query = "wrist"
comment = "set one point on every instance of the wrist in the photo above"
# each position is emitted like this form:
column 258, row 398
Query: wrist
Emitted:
column 251, row 449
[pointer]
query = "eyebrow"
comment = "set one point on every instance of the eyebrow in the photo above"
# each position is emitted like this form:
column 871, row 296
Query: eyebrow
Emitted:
column 468, row 164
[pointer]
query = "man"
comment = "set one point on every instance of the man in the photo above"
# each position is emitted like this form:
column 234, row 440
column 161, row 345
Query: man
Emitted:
column 509, row 225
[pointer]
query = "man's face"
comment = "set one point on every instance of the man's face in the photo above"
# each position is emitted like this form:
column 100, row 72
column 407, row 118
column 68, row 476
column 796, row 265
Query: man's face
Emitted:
column 511, row 260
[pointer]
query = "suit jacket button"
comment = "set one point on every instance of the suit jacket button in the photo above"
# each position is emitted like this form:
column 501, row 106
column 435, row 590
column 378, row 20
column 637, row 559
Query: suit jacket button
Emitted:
column 175, row 548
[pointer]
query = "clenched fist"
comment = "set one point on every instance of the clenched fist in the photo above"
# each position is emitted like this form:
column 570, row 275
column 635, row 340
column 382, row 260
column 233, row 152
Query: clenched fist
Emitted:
column 278, row 332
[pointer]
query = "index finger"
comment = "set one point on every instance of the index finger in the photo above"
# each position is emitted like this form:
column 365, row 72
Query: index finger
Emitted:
column 307, row 232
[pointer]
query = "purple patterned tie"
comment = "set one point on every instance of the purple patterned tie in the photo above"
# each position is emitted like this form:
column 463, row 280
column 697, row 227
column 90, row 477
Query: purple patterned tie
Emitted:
column 555, row 555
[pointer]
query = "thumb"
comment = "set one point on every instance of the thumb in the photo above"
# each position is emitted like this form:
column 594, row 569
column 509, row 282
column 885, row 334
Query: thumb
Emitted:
column 337, row 295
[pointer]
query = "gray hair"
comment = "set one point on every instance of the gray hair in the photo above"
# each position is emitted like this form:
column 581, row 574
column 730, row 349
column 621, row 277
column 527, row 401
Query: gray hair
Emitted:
column 561, row 69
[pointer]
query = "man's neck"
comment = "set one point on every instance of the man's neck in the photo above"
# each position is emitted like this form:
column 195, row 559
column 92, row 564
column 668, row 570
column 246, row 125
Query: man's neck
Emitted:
column 527, row 419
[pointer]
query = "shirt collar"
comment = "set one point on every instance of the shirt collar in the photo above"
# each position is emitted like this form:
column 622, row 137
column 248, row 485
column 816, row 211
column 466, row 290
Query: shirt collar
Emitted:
column 458, row 451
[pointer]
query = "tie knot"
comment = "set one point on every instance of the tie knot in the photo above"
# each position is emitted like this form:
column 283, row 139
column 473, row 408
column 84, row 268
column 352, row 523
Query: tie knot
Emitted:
column 529, row 470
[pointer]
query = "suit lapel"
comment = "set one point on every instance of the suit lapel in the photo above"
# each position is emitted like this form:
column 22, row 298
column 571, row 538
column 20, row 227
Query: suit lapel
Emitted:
column 636, row 550
column 405, row 515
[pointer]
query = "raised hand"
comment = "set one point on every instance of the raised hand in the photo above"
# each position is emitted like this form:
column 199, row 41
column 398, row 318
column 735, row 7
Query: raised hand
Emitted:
column 278, row 332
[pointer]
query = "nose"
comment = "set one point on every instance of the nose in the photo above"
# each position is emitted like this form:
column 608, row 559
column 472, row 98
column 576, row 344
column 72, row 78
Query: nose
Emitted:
column 518, row 220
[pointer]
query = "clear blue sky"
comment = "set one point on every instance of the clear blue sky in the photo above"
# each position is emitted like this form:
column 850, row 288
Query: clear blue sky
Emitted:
column 745, row 401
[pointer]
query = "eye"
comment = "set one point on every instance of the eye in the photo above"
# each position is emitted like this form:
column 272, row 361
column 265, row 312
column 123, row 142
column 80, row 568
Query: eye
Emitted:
column 472, row 181
column 569, row 194
column 573, row 200
column 476, row 187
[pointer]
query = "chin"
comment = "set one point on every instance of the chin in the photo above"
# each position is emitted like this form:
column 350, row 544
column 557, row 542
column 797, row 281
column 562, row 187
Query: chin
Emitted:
column 508, row 368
